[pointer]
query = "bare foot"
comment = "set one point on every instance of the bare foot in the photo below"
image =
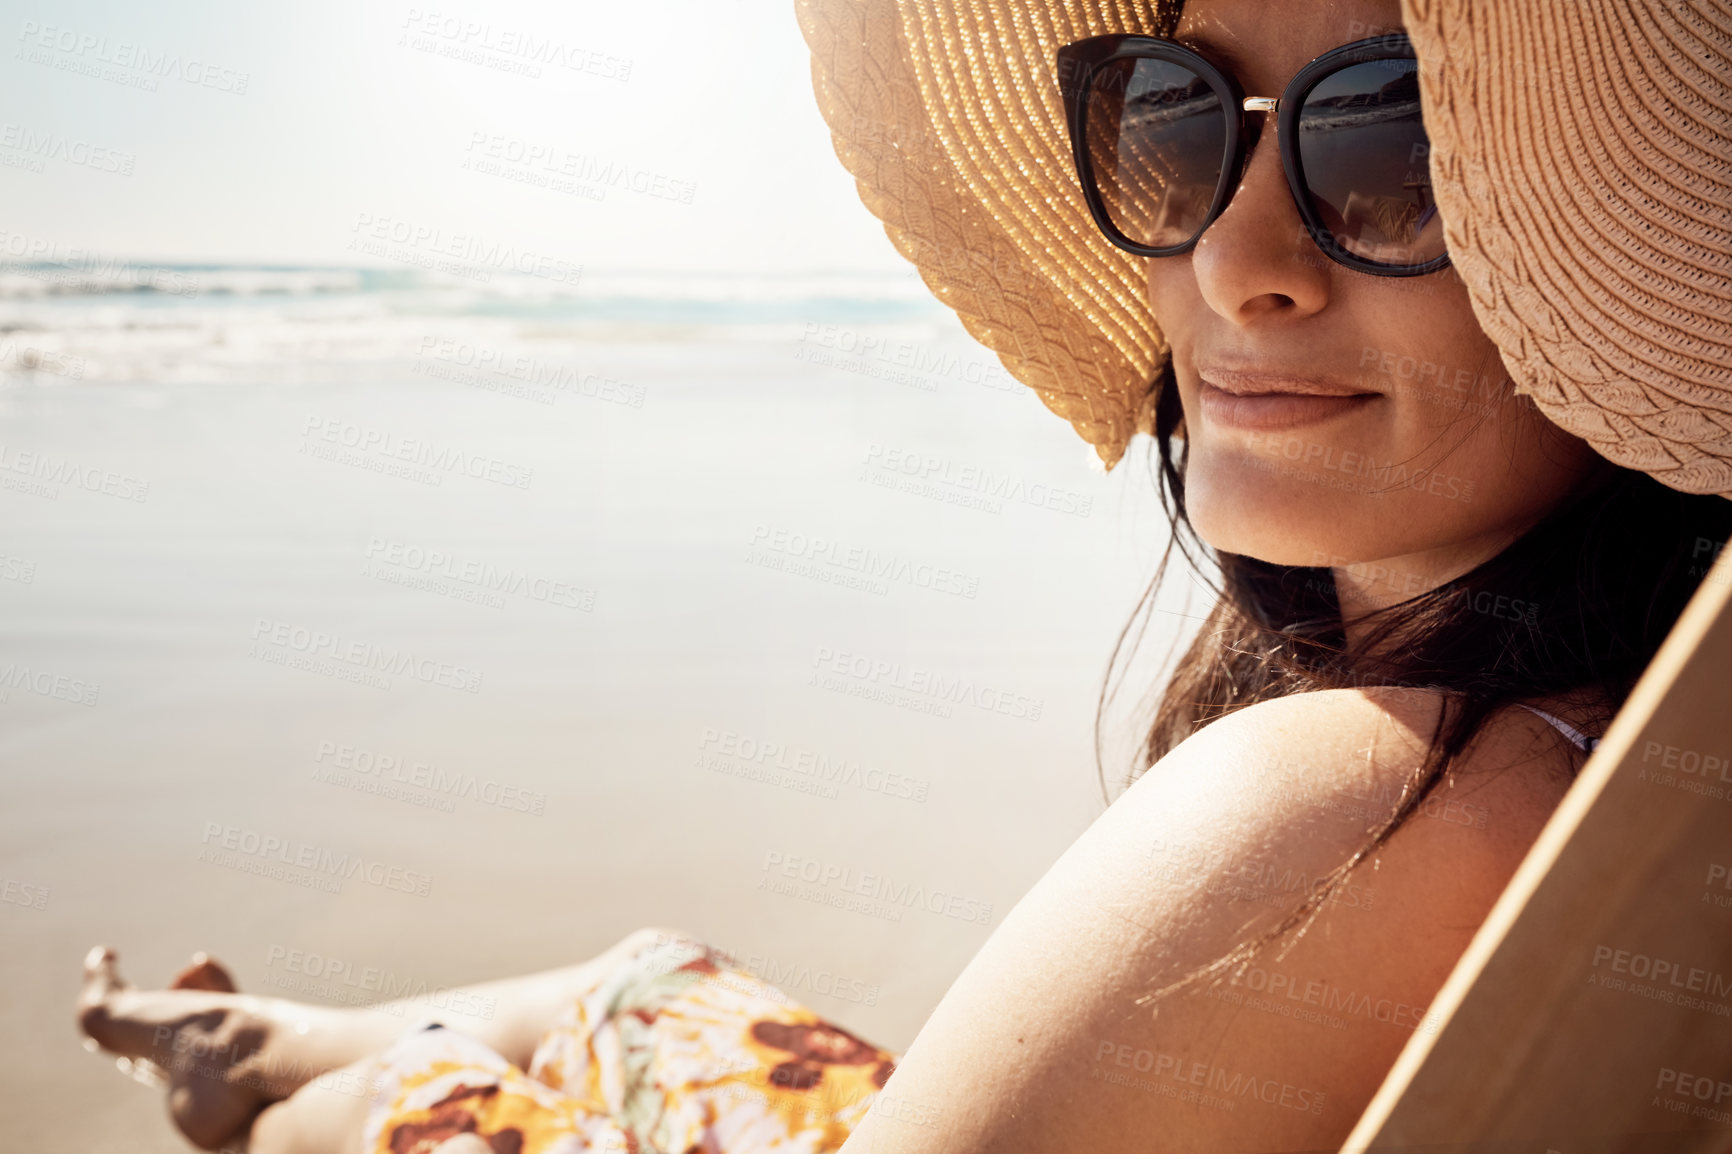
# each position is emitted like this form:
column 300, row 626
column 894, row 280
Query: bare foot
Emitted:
column 200, row 1035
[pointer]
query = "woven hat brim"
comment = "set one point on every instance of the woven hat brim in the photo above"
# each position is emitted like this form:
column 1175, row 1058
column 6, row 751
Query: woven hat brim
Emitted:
column 1581, row 154
column 930, row 105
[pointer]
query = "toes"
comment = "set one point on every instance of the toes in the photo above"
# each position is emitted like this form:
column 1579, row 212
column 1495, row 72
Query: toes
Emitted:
column 102, row 972
column 205, row 974
column 102, row 981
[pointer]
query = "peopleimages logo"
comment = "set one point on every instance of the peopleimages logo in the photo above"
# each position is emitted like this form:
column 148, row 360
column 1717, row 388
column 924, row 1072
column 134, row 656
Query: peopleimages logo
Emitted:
column 62, row 471
column 963, row 479
column 56, row 263
column 298, row 640
column 537, row 161
column 327, row 438
column 863, row 676
column 1225, row 1086
column 724, row 751
column 46, row 683
column 1381, row 477
column 375, row 233
column 482, row 576
column 370, row 771
column 339, row 975
column 302, row 863
column 844, row 347
column 833, row 884
column 34, row 897
column 762, row 976
column 479, row 41
column 867, row 564
column 487, row 362
column 93, row 55
column 39, row 145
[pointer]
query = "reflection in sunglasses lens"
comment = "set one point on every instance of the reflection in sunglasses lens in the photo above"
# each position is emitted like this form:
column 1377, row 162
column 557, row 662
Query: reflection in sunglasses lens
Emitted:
column 1157, row 139
column 1366, row 160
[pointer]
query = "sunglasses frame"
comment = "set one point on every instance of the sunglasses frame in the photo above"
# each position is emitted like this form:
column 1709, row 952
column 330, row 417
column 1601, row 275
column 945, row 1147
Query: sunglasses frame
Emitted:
column 1079, row 61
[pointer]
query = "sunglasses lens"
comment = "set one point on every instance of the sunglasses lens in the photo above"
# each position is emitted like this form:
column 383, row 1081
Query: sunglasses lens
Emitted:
column 1365, row 155
column 1156, row 135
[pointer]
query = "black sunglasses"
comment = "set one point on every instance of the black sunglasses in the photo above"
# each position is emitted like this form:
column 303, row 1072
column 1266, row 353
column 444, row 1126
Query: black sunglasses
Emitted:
column 1161, row 138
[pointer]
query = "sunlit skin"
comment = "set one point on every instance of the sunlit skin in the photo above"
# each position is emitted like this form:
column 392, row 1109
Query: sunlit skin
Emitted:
column 1256, row 295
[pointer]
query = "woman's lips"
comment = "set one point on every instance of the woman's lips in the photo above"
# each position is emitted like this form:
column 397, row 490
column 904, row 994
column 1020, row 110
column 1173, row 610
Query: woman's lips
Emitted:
column 1275, row 410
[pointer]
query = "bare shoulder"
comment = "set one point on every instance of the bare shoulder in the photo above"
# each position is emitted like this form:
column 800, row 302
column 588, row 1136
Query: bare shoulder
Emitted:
column 1334, row 747
column 1047, row 1041
column 1317, row 773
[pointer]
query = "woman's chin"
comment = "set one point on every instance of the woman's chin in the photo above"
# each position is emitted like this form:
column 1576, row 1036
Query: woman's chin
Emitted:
column 1278, row 522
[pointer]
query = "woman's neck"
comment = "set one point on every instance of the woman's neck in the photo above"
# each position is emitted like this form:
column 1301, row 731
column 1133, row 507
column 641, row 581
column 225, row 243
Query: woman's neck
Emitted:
column 1364, row 588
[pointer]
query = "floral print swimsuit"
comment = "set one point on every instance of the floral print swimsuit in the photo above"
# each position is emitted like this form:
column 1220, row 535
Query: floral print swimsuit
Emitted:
column 675, row 1050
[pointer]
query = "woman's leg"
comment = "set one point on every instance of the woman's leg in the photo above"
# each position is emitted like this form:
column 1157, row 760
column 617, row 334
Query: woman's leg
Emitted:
column 520, row 1010
column 325, row 1116
column 230, row 1054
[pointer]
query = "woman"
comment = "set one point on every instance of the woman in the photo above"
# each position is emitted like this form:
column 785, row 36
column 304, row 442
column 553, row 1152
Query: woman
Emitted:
column 1436, row 581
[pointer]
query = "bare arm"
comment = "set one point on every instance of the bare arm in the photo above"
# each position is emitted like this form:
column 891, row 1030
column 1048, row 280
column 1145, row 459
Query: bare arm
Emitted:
column 1040, row 1048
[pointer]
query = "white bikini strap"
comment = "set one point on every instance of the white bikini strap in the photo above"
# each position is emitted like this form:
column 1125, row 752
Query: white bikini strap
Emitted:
column 1582, row 740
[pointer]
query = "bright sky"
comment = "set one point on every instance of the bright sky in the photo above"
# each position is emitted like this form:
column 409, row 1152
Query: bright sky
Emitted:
column 275, row 129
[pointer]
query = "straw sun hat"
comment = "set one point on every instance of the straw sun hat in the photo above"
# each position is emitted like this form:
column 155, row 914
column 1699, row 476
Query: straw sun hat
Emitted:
column 1581, row 157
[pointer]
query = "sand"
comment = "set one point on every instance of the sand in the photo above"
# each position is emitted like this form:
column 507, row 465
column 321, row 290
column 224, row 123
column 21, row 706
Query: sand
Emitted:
column 383, row 672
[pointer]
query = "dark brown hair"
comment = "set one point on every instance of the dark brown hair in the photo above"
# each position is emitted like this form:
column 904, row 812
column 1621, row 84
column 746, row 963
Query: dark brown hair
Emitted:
column 1600, row 579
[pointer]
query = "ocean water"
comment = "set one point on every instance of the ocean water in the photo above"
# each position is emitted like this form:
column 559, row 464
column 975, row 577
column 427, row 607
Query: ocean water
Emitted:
column 384, row 631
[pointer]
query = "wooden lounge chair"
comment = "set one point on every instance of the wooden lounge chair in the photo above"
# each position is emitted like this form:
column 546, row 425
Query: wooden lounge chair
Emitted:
column 1592, row 1014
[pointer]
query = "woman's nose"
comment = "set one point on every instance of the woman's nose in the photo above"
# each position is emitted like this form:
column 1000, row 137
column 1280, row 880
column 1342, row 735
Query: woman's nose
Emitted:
column 1255, row 262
